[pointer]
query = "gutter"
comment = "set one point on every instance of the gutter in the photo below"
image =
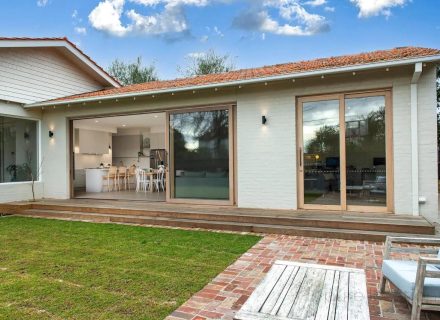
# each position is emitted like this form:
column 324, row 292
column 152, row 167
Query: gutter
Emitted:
column 289, row 76
column 418, row 68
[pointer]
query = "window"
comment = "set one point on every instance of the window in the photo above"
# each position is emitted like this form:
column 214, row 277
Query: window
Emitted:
column 344, row 151
column 200, row 147
column 18, row 150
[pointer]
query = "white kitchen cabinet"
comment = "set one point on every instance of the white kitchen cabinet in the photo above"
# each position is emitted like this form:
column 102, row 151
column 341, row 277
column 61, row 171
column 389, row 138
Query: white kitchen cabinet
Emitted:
column 93, row 142
column 127, row 146
column 157, row 140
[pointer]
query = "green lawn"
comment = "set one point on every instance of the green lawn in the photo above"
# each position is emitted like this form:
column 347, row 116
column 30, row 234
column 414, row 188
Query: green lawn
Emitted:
column 60, row 269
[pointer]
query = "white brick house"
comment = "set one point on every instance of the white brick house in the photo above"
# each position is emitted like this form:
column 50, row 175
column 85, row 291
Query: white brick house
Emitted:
column 352, row 133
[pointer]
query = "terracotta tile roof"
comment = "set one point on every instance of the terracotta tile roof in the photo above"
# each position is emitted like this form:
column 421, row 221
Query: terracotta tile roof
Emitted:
column 61, row 39
column 267, row 71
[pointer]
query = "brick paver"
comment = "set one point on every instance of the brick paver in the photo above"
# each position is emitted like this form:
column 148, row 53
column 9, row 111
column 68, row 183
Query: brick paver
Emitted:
column 226, row 293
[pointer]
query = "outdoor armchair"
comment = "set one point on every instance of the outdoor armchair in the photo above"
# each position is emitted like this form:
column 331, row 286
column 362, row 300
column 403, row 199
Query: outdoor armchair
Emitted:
column 418, row 281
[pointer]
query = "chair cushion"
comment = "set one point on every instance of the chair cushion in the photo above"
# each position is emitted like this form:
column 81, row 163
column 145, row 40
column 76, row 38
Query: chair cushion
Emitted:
column 403, row 275
column 438, row 256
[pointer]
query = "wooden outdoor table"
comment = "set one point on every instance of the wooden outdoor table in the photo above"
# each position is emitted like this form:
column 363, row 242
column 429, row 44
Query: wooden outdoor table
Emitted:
column 299, row 291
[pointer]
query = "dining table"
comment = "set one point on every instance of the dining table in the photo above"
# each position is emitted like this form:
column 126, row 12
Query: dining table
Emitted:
column 151, row 174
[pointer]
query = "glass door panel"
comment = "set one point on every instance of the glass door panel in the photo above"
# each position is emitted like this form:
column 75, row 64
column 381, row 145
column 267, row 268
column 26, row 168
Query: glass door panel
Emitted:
column 321, row 163
column 199, row 143
column 365, row 138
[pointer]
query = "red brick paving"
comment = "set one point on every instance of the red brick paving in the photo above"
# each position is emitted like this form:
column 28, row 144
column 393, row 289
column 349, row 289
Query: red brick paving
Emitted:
column 226, row 293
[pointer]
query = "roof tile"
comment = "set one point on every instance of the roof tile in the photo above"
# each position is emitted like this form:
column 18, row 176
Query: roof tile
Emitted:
column 266, row 71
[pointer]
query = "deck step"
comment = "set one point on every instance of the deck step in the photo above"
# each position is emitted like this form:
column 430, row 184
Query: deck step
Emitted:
column 410, row 225
column 206, row 224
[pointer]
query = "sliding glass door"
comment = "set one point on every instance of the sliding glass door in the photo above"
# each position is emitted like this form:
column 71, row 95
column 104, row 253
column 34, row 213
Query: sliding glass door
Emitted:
column 344, row 152
column 201, row 155
column 320, row 153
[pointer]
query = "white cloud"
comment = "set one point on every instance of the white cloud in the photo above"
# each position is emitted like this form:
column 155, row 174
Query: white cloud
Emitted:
column 369, row 8
column 171, row 20
column 329, row 9
column 81, row 30
column 107, row 17
column 218, row 32
column 263, row 36
column 300, row 22
column 42, row 3
column 196, row 55
column 198, row 3
column 315, row 3
column 75, row 14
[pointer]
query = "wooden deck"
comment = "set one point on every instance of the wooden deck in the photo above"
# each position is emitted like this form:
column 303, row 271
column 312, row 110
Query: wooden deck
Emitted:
column 300, row 291
column 332, row 224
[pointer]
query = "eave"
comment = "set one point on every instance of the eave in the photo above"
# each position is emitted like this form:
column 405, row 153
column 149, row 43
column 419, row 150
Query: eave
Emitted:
column 289, row 76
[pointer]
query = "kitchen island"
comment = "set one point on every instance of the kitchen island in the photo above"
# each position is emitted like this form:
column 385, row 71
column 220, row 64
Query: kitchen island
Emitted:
column 95, row 181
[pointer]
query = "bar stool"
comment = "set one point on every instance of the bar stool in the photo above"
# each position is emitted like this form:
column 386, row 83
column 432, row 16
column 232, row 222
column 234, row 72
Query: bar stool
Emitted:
column 111, row 175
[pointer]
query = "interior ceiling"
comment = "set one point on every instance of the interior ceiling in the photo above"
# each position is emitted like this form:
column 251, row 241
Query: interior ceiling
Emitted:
column 123, row 122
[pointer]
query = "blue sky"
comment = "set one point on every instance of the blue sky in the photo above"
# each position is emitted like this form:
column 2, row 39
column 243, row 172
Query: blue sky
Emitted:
column 252, row 32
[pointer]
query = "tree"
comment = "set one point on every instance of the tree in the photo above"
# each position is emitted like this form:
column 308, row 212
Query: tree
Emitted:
column 207, row 63
column 132, row 73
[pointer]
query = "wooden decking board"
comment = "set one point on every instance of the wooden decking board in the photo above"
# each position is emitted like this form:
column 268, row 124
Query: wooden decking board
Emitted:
column 356, row 226
column 316, row 293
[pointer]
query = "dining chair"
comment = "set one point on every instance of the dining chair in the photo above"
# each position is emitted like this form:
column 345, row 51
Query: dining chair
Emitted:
column 111, row 175
column 122, row 174
column 158, row 182
column 142, row 181
column 131, row 173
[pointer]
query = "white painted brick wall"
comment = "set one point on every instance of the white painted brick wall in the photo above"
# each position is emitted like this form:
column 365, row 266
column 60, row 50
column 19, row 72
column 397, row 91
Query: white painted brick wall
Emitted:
column 266, row 153
column 427, row 129
column 266, row 156
column 19, row 191
column 402, row 145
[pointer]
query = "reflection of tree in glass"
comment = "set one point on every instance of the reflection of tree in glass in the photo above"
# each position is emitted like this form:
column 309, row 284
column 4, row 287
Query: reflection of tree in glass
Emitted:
column 327, row 137
column 201, row 137
column 373, row 142
column 326, row 140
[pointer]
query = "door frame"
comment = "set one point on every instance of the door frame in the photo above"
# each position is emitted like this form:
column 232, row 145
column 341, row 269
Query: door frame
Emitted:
column 231, row 105
column 232, row 155
column 342, row 96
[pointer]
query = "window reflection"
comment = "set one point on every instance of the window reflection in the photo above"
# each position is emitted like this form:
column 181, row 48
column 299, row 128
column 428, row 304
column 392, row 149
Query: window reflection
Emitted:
column 200, row 142
column 321, row 152
column 365, row 151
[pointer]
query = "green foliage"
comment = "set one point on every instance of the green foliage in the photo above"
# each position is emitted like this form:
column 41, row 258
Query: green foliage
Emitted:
column 438, row 87
column 74, row 270
column 326, row 141
column 207, row 63
column 132, row 73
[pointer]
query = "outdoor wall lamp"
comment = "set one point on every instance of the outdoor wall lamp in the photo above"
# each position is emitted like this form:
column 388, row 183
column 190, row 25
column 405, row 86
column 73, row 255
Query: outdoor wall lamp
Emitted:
column 50, row 134
column 263, row 120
